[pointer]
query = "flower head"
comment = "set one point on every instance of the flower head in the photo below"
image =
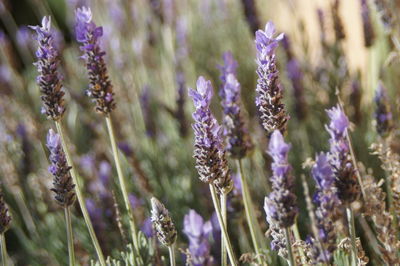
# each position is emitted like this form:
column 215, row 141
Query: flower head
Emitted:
column 162, row 223
column 63, row 185
column 340, row 157
column 209, row 152
column 198, row 233
column 237, row 138
column 88, row 34
column 268, row 91
column 49, row 80
column 327, row 202
column 280, row 205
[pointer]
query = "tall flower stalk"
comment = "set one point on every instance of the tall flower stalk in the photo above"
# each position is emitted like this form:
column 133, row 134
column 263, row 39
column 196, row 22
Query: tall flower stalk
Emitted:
column 49, row 81
column 236, row 134
column 209, row 153
column 341, row 161
column 280, row 205
column 101, row 92
column 63, row 186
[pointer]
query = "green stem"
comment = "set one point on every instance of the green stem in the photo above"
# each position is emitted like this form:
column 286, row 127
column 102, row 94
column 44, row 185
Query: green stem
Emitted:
column 171, row 250
column 70, row 236
column 224, row 259
column 289, row 247
column 80, row 197
column 221, row 224
column 350, row 217
column 298, row 238
column 122, row 184
column 247, row 207
column 3, row 250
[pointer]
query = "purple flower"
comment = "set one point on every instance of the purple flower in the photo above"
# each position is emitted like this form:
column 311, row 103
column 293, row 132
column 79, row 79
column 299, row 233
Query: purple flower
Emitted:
column 135, row 201
column 327, row 202
column 237, row 138
column 209, row 152
column 49, row 80
column 280, row 205
column 383, row 114
column 269, row 92
column 100, row 87
column 198, row 233
column 63, row 185
column 340, row 157
column 147, row 228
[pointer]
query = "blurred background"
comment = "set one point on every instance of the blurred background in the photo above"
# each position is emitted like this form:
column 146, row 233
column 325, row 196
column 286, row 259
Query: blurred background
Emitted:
column 155, row 50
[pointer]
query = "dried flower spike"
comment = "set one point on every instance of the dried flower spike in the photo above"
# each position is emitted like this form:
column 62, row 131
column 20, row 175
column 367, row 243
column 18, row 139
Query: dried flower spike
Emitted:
column 269, row 92
column 209, row 152
column 340, row 157
column 237, row 136
column 64, row 187
column 383, row 114
column 162, row 222
column 5, row 218
column 280, row 206
column 49, row 80
column 100, row 87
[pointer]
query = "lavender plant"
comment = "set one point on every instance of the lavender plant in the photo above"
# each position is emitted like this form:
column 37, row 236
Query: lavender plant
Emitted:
column 165, row 45
column 101, row 91
column 209, row 152
column 63, row 185
column 269, row 91
column 49, row 81
column 280, row 205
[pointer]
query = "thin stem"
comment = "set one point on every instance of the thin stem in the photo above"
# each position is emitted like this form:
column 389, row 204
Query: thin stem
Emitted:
column 350, row 217
column 298, row 238
column 4, row 255
column 221, row 224
column 289, row 247
column 171, row 250
column 80, row 197
column 122, row 184
column 70, row 237
column 224, row 259
column 247, row 208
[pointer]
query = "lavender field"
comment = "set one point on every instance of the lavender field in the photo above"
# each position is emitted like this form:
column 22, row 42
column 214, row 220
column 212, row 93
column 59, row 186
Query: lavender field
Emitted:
column 212, row 132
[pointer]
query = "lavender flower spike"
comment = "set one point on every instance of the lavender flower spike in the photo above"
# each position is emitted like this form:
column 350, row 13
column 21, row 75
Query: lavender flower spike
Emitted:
column 100, row 87
column 198, row 233
column 280, row 205
column 162, row 222
column 269, row 92
column 64, row 187
column 340, row 157
column 209, row 152
column 237, row 136
column 49, row 80
column 383, row 114
column 327, row 203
